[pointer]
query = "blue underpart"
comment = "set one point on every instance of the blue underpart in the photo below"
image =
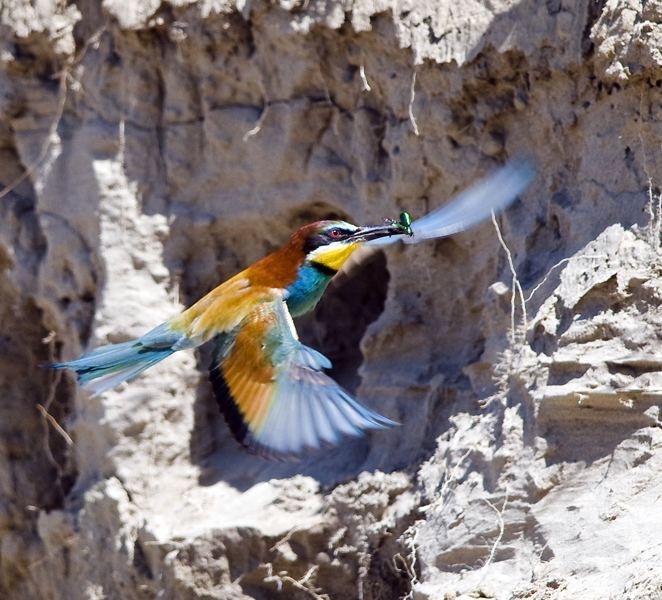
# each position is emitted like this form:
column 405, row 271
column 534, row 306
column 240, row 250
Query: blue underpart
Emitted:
column 306, row 290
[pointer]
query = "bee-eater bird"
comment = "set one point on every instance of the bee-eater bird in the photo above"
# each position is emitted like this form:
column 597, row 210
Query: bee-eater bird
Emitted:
column 270, row 387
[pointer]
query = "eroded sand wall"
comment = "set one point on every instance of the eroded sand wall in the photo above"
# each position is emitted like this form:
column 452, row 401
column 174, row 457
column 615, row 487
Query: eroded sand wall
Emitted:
column 164, row 147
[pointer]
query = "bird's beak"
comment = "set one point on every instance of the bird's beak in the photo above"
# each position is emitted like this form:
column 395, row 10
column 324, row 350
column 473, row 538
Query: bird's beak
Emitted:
column 365, row 234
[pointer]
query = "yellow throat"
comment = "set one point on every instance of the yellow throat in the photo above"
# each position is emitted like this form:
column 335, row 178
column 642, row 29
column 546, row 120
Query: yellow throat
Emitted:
column 333, row 255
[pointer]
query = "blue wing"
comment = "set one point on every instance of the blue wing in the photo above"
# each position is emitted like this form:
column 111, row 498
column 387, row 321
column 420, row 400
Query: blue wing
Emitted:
column 475, row 204
column 273, row 395
column 108, row 366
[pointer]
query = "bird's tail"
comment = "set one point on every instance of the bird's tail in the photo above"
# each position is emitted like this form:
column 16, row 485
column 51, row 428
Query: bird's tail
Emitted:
column 108, row 366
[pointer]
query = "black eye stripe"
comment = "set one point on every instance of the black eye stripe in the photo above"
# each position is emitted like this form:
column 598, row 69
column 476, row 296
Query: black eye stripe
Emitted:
column 337, row 233
column 317, row 240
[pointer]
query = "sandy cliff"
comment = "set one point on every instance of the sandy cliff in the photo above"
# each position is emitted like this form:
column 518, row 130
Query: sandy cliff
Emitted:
column 150, row 150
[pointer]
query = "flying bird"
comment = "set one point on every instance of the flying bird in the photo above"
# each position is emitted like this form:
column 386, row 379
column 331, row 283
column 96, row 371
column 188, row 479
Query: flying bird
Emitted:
column 270, row 387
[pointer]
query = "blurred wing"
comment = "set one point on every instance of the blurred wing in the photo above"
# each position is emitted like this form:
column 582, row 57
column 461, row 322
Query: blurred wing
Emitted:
column 275, row 399
column 475, row 204
column 357, row 265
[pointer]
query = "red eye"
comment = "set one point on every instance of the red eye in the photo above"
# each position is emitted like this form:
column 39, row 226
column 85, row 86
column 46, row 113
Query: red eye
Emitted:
column 334, row 233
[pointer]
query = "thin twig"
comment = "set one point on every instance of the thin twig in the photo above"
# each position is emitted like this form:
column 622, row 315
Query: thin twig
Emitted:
column 304, row 584
column 284, row 540
column 257, row 127
column 451, row 478
column 655, row 212
column 46, row 418
column 412, row 546
column 364, row 557
column 499, row 514
column 412, row 95
column 55, row 424
column 93, row 39
column 64, row 76
column 403, row 561
column 364, row 80
column 52, row 130
column 564, row 260
column 453, row 475
column 516, row 284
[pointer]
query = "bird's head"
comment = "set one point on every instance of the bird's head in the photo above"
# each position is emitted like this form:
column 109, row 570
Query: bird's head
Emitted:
column 328, row 244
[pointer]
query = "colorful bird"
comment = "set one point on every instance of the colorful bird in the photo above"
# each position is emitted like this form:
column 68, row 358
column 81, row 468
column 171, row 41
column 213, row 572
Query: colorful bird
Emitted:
column 270, row 387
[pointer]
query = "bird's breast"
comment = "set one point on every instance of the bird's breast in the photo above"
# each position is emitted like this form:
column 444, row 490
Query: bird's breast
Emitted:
column 307, row 289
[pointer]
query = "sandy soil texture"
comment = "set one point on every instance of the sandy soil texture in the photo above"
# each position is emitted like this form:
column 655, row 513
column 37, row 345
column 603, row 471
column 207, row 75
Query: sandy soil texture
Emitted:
column 150, row 150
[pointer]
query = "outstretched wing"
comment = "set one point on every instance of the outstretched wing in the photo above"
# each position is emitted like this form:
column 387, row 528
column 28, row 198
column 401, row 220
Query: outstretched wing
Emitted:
column 494, row 192
column 272, row 393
